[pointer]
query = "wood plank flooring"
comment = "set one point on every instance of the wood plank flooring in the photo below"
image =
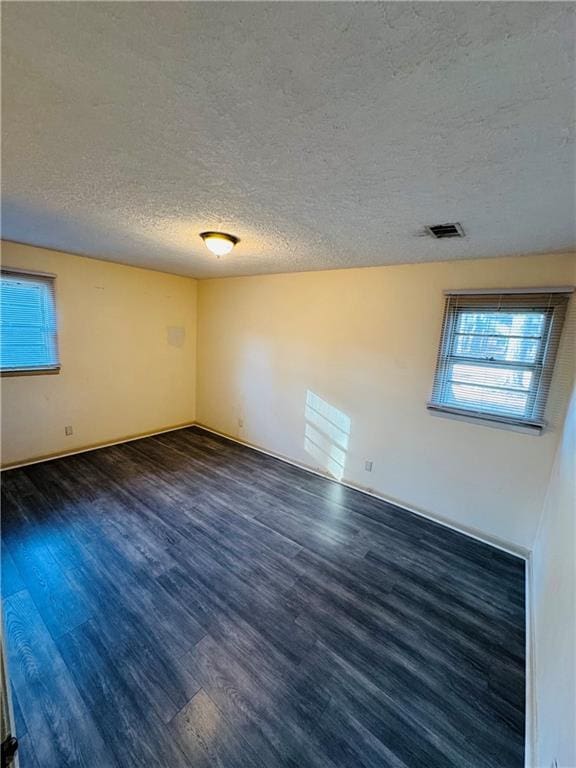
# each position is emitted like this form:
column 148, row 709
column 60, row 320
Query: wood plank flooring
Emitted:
column 186, row 601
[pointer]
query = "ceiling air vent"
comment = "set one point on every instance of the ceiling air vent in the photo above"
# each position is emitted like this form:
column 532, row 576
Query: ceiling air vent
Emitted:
column 446, row 230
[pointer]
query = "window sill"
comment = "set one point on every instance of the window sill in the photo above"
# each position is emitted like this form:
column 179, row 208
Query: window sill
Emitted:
column 31, row 372
column 499, row 422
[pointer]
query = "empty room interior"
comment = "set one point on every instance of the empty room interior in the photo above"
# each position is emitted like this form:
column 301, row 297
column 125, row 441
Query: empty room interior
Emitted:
column 288, row 355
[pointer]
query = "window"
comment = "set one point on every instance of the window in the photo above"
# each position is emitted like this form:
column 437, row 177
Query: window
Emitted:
column 497, row 353
column 28, row 324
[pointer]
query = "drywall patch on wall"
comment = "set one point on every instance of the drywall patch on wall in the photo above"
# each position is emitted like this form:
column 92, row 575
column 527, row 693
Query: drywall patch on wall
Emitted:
column 365, row 342
column 176, row 335
column 127, row 340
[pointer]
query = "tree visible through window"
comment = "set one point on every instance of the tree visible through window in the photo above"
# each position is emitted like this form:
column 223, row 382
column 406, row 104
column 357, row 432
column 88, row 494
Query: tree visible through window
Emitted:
column 497, row 355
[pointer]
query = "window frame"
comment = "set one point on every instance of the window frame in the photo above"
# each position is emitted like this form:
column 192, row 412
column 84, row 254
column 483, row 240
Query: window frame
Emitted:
column 521, row 300
column 50, row 280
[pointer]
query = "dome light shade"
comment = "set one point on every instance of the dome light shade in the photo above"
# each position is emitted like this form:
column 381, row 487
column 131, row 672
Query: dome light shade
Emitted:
column 218, row 242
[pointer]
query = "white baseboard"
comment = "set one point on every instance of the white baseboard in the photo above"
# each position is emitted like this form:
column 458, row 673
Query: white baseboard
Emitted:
column 473, row 533
column 95, row 447
column 513, row 549
column 505, row 546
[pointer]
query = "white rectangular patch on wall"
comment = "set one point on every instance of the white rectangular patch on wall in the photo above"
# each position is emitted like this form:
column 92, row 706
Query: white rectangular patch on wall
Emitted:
column 176, row 335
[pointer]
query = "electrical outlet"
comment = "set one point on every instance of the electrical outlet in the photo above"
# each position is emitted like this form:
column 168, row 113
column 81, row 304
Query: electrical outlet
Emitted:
column 68, row 431
column 368, row 466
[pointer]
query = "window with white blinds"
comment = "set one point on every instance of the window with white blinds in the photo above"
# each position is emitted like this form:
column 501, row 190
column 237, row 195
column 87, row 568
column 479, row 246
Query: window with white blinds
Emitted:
column 28, row 330
column 497, row 354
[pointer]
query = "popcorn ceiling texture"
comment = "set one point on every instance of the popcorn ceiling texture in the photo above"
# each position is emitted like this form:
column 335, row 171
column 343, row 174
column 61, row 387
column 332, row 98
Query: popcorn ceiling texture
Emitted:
column 324, row 135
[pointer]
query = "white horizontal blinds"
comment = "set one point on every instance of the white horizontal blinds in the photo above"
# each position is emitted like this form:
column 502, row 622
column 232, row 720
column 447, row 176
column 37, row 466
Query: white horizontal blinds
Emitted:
column 27, row 322
column 497, row 354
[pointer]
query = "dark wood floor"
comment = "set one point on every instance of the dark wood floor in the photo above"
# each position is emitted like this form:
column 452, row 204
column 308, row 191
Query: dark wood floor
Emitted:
column 185, row 601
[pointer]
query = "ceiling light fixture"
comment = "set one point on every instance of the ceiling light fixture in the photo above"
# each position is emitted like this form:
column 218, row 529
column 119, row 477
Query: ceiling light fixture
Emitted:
column 219, row 242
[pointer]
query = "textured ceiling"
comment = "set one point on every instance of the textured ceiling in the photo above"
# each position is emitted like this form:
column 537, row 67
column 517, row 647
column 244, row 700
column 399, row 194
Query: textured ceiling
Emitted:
column 323, row 135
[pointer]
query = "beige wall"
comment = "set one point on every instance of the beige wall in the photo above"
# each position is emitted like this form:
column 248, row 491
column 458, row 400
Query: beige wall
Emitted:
column 284, row 361
column 363, row 342
column 123, row 371
column 554, row 609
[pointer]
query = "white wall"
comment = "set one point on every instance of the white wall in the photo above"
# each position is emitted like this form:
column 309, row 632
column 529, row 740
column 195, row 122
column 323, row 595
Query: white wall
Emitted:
column 362, row 344
column 123, row 371
column 554, row 608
